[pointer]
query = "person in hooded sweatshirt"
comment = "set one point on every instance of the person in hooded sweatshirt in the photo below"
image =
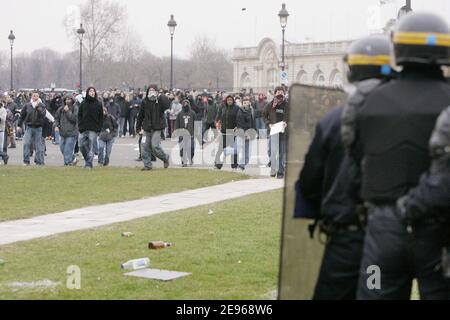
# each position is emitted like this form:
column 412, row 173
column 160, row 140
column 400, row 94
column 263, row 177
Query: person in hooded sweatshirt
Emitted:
column 185, row 121
column 150, row 123
column 227, row 124
column 66, row 124
column 106, row 138
column 90, row 123
column 245, row 122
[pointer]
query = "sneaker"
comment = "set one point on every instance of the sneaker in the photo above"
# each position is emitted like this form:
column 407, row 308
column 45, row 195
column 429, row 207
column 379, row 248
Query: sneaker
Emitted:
column 218, row 166
column 269, row 164
column 280, row 176
column 273, row 175
column 242, row 168
column 138, row 159
column 146, row 169
column 12, row 147
column 5, row 159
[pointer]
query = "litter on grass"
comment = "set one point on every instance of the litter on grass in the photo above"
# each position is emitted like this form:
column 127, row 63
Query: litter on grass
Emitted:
column 157, row 274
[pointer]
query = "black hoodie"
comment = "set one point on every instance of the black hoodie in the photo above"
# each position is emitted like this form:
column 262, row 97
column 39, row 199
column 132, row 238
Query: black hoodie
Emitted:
column 151, row 114
column 227, row 115
column 90, row 114
column 186, row 119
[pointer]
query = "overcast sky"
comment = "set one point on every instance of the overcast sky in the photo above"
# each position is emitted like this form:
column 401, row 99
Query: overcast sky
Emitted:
column 38, row 23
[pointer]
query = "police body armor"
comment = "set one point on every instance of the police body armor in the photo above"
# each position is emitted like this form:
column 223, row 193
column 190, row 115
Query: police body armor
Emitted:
column 394, row 134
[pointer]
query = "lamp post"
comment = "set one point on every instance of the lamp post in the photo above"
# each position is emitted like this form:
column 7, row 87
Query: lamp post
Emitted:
column 172, row 25
column 405, row 9
column 81, row 33
column 283, row 14
column 11, row 39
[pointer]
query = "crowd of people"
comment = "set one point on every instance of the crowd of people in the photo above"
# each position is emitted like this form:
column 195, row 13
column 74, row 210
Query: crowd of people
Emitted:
column 91, row 122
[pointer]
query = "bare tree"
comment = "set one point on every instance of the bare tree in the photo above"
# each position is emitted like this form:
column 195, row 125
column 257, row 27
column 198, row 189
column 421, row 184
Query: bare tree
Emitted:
column 211, row 64
column 102, row 21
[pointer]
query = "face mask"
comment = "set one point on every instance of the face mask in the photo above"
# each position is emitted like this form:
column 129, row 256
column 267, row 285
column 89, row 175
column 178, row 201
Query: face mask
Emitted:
column 185, row 108
column 280, row 96
column 151, row 93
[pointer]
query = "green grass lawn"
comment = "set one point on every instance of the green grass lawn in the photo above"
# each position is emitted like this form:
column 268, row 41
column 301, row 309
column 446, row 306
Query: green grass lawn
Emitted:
column 232, row 253
column 27, row 192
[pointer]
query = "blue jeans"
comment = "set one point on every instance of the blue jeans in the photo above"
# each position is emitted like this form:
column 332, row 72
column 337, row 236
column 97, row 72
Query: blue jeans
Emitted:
column 33, row 136
column 86, row 144
column 57, row 137
column 67, row 146
column 260, row 125
column 243, row 149
column 278, row 153
column 121, row 126
column 104, row 151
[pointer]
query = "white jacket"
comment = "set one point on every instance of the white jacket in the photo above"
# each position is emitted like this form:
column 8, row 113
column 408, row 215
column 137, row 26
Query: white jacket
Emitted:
column 2, row 119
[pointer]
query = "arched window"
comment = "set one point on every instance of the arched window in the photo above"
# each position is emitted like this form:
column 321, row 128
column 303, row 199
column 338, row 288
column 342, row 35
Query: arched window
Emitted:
column 246, row 82
column 272, row 80
column 302, row 77
column 319, row 78
column 336, row 79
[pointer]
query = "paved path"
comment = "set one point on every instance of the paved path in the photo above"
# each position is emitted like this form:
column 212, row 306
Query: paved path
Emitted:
column 90, row 217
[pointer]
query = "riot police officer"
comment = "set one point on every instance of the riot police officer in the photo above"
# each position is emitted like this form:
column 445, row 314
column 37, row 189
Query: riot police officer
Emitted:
column 391, row 132
column 368, row 64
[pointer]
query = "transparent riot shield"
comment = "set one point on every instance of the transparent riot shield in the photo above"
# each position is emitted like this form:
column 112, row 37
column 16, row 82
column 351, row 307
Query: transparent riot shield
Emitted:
column 300, row 255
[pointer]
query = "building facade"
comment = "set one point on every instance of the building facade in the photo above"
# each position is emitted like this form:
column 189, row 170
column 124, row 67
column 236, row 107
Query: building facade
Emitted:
column 258, row 68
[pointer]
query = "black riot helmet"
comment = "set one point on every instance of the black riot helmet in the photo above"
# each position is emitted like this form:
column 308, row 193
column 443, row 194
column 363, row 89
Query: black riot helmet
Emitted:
column 369, row 57
column 421, row 38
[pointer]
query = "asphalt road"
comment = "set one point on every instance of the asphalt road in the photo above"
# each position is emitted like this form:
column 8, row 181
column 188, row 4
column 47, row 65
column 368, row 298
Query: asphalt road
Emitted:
column 125, row 152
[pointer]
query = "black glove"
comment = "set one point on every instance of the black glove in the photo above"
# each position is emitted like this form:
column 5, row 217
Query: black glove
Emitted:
column 402, row 211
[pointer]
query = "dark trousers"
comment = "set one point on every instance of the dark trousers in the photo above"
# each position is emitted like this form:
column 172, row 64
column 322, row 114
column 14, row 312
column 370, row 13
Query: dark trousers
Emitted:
column 132, row 123
column 230, row 142
column 402, row 257
column 339, row 272
column 187, row 149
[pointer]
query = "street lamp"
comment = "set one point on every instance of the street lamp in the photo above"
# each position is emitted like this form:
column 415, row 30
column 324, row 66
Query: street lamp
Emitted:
column 11, row 39
column 81, row 33
column 172, row 24
column 283, row 14
column 405, row 9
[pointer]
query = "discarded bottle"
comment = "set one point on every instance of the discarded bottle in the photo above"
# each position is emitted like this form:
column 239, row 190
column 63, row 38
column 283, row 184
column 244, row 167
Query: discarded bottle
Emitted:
column 127, row 234
column 154, row 245
column 136, row 264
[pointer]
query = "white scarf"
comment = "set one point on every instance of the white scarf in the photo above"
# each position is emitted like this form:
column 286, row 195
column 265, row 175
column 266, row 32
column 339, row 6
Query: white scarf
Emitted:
column 35, row 104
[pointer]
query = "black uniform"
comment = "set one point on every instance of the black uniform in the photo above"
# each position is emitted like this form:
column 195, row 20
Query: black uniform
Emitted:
column 391, row 133
column 431, row 198
column 326, row 181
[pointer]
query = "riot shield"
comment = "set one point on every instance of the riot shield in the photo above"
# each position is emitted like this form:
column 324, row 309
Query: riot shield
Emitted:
column 300, row 255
